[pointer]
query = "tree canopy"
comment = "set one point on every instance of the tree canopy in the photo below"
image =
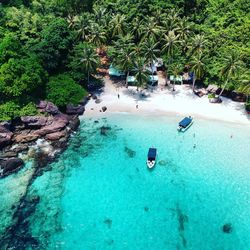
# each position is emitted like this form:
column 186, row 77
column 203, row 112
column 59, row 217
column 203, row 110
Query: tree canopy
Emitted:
column 46, row 41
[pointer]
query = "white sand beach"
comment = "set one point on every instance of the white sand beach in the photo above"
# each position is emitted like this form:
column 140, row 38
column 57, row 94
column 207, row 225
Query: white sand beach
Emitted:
column 162, row 100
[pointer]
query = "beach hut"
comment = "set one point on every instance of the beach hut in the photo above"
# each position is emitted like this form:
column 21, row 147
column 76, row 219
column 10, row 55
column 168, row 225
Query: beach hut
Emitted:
column 131, row 80
column 114, row 72
column 159, row 64
column 153, row 80
column 176, row 79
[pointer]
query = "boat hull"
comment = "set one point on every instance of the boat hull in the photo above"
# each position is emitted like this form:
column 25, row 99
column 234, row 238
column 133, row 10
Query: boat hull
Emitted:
column 150, row 164
column 181, row 129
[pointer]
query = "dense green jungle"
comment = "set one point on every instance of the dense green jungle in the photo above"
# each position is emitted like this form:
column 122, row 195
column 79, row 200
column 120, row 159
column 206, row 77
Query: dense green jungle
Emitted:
column 51, row 49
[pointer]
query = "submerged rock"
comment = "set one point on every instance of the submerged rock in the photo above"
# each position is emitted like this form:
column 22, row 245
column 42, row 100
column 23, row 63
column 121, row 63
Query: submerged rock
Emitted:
column 74, row 123
column 108, row 222
column 182, row 218
column 131, row 153
column 162, row 163
column 110, row 242
column 10, row 165
column 104, row 130
column 227, row 228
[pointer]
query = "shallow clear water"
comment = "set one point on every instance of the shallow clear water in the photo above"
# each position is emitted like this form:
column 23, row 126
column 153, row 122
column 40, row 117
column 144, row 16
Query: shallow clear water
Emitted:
column 100, row 194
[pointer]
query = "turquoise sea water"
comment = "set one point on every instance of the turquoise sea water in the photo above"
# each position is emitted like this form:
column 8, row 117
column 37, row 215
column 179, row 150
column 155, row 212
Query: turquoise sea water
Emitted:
column 100, row 195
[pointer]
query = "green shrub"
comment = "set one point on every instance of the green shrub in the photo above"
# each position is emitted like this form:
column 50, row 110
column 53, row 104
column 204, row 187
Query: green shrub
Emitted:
column 210, row 96
column 11, row 109
column 62, row 90
column 8, row 111
column 29, row 109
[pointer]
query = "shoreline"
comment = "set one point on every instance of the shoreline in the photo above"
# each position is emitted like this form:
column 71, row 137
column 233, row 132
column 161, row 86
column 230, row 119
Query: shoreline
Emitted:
column 162, row 101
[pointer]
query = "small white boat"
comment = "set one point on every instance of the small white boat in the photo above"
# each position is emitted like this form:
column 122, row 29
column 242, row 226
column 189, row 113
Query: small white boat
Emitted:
column 185, row 123
column 152, row 152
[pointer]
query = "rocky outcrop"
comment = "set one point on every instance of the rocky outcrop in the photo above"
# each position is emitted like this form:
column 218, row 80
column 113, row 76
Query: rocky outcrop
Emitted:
column 104, row 108
column 43, row 136
column 5, row 136
column 215, row 100
column 200, row 92
column 55, row 136
column 59, row 123
column 8, row 154
column 75, row 110
column 48, row 107
column 10, row 165
column 212, row 88
column 74, row 123
column 34, row 122
column 238, row 97
column 5, row 125
column 226, row 93
column 25, row 137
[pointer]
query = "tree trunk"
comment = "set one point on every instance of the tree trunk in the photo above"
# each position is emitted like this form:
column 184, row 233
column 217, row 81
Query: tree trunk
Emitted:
column 126, row 83
column 193, row 83
column 152, row 71
column 223, row 88
column 88, row 77
column 174, row 85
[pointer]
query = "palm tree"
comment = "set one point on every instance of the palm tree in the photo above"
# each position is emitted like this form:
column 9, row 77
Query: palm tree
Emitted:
column 124, row 41
column 183, row 29
column 244, row 83
column 118, row 25
column 141, row 75
column 137, row 50
column 137, row 28
column 231, row 68
column 82, row 24
column 175, row 69
column 171, row 20
column 150, row 51
column 72, row 20
column 198, row 67
column 96, row 35
column 198, row 43
column 160, row 17
column 171, row 42
column 150, row 29
column 125, row 61
column 99, row 14
column 89, row 60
